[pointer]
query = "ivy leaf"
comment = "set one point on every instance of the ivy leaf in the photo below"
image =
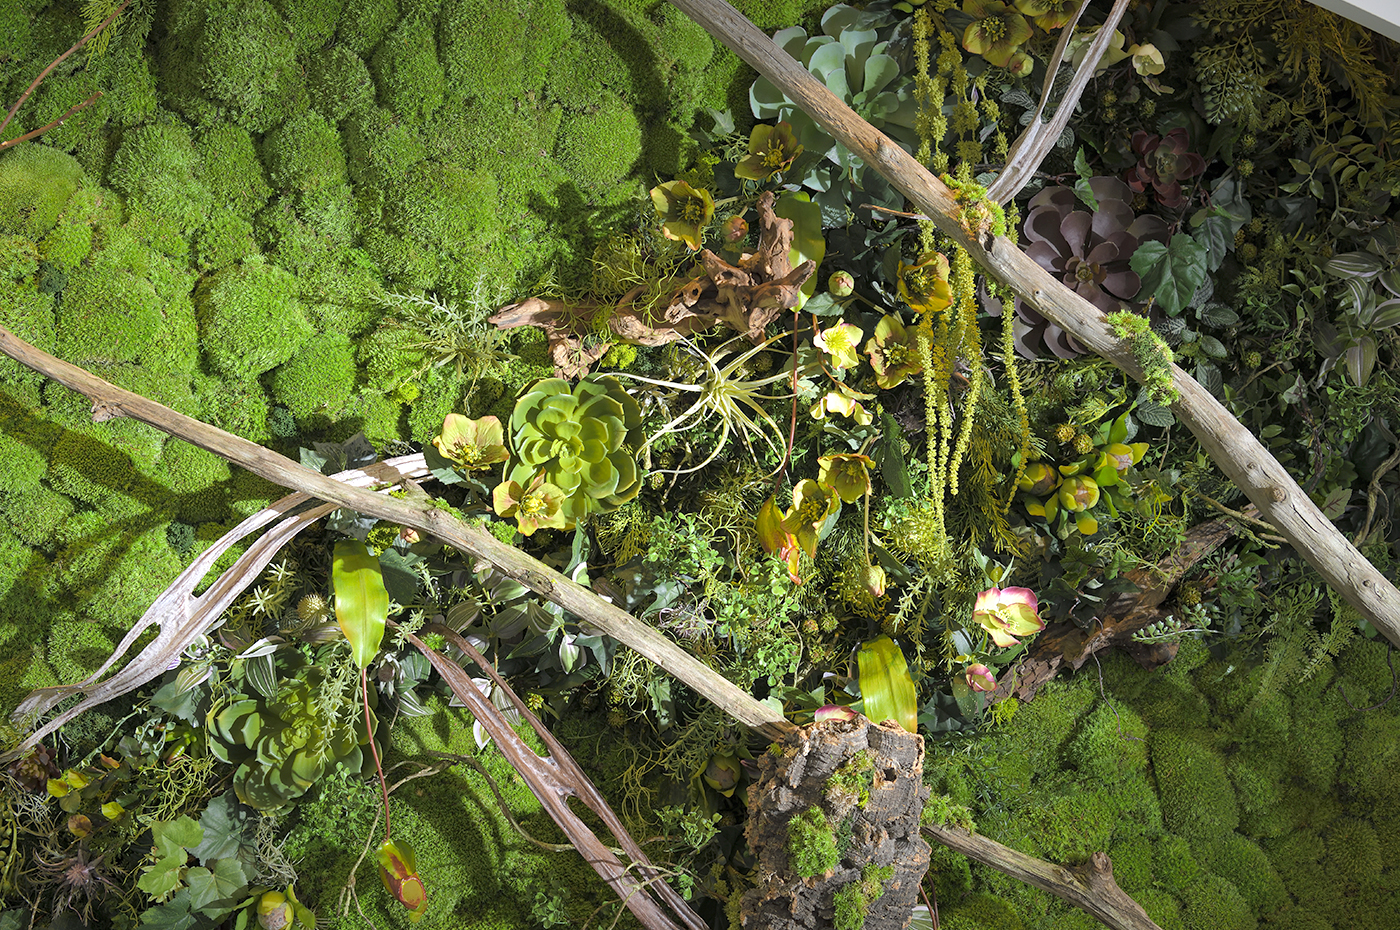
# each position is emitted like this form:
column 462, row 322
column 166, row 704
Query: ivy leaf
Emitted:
column 219, row 887
column 361, row 601
column 1082, row 190
column 225, row 829
column 1171, row 273
column 176, row 914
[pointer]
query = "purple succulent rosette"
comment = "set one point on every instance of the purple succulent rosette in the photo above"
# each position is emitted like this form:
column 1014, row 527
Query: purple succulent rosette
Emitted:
column 1089, row 252
column 1163, row 163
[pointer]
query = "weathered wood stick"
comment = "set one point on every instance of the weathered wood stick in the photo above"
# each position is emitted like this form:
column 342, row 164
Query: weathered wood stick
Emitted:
column 1234, row 449
column 110, row 401
column 1089, row 887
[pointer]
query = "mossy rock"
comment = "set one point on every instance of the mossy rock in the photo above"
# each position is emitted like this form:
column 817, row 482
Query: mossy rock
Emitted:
column 36, row 182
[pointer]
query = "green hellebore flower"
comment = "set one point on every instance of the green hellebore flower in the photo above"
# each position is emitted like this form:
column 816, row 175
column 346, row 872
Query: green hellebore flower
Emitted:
column 775, row 538
column 924, row 286
column 841, row 284
column 842, row 343
column 472, row 444
column 841, row 399
column 893, row 352
column 1147, row 60
column 812, row 504
column 722, row 773
column 1007, row 613
column 1048, row 14
column 399, row 872
column 997, row 30
column 685, row 211
column 846, row 474
column 771, row 149
column 541, row 505
column 1078, row 493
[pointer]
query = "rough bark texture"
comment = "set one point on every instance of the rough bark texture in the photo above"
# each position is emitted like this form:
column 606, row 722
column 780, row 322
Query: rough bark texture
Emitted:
column 826, row 766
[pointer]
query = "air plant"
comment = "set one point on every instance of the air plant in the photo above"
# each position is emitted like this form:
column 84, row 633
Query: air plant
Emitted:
column 726, row 393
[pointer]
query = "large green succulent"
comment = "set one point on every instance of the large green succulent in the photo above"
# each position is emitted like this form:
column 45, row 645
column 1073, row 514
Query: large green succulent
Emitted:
column 583, row 438
column 857, row 59
column 283, row 745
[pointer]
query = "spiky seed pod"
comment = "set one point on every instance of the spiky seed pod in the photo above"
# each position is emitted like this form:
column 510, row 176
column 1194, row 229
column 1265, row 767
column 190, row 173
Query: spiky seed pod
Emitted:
column 1083, row 443
column 1064, row 433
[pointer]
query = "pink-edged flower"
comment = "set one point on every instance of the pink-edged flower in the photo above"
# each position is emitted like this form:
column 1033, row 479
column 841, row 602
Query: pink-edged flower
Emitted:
column 980, row 678
column 775, row 538
column 472, row 444
column 893, row 352
column 399, row 872
column 1007, row 613
column 539, row 505
column 842, row 343
column 723, row 772
column 834, row 712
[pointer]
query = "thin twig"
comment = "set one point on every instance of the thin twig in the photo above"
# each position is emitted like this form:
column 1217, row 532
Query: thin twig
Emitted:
column 1270, row 531
column 53, row 125
column 54, row 64
column 1373, row 494
column 505, row 808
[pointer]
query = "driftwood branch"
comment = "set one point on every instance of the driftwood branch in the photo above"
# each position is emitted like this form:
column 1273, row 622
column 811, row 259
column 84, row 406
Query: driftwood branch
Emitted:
column 1233, row 448
column 110, row 401
column 556, row 779
column 1089, row 887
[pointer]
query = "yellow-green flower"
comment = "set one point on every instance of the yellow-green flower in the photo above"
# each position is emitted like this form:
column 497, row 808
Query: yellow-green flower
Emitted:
column 771, row 149
column 472, row 444
column 844, row 401
column 1048, row 14
column 846, row 474
column 841, row 342
column 996, row 31
column 924, row 286
column 893, row 352
column 685, row 211
column 812, row 504
column 1147, row 59
column 539, row 505
column 775, row 538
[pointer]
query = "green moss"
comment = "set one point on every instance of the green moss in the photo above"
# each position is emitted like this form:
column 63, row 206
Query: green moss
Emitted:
column 128, row 580
column 1174, row 865
column 304, row 160
column 89, row 469
column 231, row 170
column 378, row 149
column 250, row 493
column 75, row 648
column 1372, row 767
column 225, row 239
column 1041, row 728
column 1197, row 799
column 1164, row 909
column 1110, row 744
column 156, row 167
column 1132, row 863
column 339, row 83
column 598, row 148
column 24, row 465
column 1353, row 851
column 240, row 407
column 1300, row 918
column 406, row 70
column 1071, row 821
column 500, row 49
column 312, row 22
column 853, row 901
column 979, row 912
column 1137, row 810
column 1241, row 862
column 36, row 514
column 445, row 218
column 36, row 182
column 363, row 24
column 70, row 242
column 197, row 479
column 1212, row 903
column 811, row 843
column 29, row 315
column 318, row 379
column 1316, row 753
column 250, row 319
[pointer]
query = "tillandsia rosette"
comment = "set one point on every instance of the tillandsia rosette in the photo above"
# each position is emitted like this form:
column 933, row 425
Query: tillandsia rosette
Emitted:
column 284, row 745
column 581, row 440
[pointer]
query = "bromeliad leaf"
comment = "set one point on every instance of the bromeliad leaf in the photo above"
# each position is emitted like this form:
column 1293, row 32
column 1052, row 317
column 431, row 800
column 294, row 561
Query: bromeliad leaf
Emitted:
column 361, row 601
column 1171, row 273
column 885, row 685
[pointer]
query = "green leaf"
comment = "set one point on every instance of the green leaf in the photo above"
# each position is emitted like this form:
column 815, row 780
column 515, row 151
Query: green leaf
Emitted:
column 1171, row 273
column 1153, row 414
column 889, row 457
column 361, row 601
column 807, row 239
column 224, row 827
column 1082, row 190
column 1215, row 236
column 173, row 915
column 400, row 580
column 1354, row 264
column 223, row 884
column 885, row 686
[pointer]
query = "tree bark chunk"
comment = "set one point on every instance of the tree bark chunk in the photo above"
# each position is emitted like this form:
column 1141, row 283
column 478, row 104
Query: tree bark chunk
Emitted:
column 884, row 831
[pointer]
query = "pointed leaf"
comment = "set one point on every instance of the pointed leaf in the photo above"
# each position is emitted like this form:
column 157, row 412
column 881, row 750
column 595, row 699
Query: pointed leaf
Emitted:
column 885, row 686
column 361, row 601
column 807, row 239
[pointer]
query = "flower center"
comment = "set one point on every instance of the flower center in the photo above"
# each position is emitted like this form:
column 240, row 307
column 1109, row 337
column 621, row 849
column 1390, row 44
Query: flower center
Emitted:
column 533, row 506
column 693, row 212
column 774, row 158
column 993, row 28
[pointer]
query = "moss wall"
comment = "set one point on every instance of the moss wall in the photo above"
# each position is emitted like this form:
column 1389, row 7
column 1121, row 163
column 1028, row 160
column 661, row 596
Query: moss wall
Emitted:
column 216, row 230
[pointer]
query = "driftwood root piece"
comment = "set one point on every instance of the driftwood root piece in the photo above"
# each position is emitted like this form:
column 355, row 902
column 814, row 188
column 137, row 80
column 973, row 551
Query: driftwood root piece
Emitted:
column 1089, row 887
column 867, row 781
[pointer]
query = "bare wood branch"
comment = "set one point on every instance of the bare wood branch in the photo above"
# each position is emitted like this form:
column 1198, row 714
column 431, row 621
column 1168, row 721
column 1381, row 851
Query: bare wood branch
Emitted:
column 1036, row 141
column 111, row 401
column 1233, row 448
column 45, row 73
column 1089, row 887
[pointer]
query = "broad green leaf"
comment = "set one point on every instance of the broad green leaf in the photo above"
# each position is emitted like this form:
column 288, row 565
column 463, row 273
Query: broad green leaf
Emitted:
column 173, row 915
column 894, row 468
column 1082, row 190
column 807, row 239
column 1361, row 359
column 886, row 689
column 224, row 882
column 224, row 827
column 361, row 601
column 1171, row 273
column 1354, row 264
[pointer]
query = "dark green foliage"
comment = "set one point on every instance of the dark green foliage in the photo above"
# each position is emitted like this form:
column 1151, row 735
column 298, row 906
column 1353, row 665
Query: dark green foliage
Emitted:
column 36, row 182
column 250, row 319
column 180, row 536
column 406, row 70
column 318, row 378
column 1214, row 904
column 339, row 83
column 231, row 170
column 1197, row 800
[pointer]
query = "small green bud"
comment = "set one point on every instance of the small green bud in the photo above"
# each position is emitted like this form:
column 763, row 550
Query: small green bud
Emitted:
column 841, row 284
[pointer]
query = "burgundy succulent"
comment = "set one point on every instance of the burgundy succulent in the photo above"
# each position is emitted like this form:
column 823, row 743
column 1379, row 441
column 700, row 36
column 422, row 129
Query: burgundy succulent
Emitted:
column 1089, row 252
column 1163, row 163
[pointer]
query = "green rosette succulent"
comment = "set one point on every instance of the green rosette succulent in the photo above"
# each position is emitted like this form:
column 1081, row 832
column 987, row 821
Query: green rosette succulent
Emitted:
column 283, row 746
column 581, row 439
